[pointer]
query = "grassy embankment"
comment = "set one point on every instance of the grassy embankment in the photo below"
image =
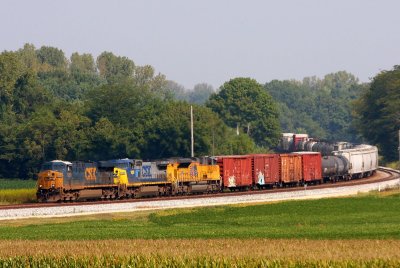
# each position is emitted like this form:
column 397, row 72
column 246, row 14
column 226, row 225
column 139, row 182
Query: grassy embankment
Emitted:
column 357, row 231
column 17, row 191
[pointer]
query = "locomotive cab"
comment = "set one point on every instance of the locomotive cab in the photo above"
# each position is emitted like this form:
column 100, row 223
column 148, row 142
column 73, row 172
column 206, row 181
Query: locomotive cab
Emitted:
column 51, row 177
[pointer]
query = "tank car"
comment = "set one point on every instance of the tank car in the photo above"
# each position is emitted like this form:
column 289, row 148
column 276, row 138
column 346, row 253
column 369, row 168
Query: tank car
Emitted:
column 335, row 168
column 323, row 148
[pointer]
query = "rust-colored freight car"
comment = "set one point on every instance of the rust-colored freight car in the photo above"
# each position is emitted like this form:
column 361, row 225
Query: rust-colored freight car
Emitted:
column 235, row 171
column 265, row 169
column 291, row 169
column 312, row 171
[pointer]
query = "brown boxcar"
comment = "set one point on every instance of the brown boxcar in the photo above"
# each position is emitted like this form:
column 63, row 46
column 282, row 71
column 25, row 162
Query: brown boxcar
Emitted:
column 312, row 166
column 291, row 168
column 235, row 171
column 265, row 169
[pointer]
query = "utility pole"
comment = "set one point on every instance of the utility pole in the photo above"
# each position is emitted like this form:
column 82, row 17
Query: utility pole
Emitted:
column 191, row 130
column 213, row 141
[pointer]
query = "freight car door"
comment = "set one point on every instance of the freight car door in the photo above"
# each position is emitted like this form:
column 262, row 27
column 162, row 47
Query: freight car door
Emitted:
column 237, row 171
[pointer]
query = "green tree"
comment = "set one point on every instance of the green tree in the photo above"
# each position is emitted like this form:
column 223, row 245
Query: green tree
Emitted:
column 200, row 93
column 168, row 134
column 144, row 77
column 114, row 68
column 379, row 114
column 51, row 58
column 82, row 64
column 176, row 91
column 28, row 56
column 321, row 107
column 129, row 108
column 243, row 103
column 11, row 69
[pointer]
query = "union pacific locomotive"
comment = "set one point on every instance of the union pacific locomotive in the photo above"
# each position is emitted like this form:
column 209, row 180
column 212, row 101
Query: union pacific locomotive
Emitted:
column 130, row 178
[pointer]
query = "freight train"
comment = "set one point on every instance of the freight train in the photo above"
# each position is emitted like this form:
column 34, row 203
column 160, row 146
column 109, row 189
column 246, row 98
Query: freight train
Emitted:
column 291, row 142
column 129, row 178
column 341, row 160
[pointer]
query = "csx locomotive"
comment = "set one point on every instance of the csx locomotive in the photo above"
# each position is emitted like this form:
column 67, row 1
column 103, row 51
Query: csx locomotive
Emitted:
column 124, row 178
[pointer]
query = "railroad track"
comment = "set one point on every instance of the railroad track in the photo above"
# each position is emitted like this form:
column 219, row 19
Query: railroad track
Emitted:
column 383, row 175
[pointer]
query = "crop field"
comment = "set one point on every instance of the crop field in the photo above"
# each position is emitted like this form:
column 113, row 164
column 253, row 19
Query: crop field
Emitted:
column 17, row 184
column 16, row 191
column 365, row 217
column 336, row 232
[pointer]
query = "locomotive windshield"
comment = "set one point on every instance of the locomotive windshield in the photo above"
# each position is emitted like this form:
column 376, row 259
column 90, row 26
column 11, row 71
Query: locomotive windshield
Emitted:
column 54, row 166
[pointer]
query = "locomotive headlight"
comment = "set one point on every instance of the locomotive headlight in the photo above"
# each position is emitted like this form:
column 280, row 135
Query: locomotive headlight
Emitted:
column 40, row 186
column 48, row 174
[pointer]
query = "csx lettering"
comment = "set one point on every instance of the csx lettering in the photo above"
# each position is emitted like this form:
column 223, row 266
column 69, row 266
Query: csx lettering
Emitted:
column 146, row 171
column 90, row 174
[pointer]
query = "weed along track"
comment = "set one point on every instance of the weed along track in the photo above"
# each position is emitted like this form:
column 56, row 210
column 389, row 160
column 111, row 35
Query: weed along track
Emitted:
column 384, row 178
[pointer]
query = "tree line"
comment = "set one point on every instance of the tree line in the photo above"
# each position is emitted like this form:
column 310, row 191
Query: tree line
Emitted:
column 85, row 109
column 82, row 108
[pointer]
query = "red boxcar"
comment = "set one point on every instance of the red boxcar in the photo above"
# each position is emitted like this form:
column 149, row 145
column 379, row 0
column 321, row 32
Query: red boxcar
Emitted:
column 297, row 138
column 235, row 171
column 265, row 169
column 291, row 168
column 312, row 166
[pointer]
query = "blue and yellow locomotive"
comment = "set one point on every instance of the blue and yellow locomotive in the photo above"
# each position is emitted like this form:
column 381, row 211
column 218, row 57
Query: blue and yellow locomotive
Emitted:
column 124, row 178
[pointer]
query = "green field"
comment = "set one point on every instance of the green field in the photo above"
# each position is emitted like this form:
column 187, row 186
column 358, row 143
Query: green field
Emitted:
column 17, row 191
column 7, row 184
column 365, row 217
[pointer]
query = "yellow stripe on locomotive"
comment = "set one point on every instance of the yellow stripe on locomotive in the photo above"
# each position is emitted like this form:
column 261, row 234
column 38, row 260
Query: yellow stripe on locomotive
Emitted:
column 120, row 176
column 192, row 172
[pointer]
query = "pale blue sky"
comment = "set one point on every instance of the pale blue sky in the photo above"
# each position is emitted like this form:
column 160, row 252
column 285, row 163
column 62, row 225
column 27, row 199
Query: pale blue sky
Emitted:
column 213, row 41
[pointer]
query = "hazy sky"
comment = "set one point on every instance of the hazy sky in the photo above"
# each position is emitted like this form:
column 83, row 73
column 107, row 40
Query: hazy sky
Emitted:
column 213, row 41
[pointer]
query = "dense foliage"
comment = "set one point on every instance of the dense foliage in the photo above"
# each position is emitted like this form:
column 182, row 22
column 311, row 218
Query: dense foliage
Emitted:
column 87, row 109
column 83, row 108
column 321, row 108
column 378, row 112
column 243, row 104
